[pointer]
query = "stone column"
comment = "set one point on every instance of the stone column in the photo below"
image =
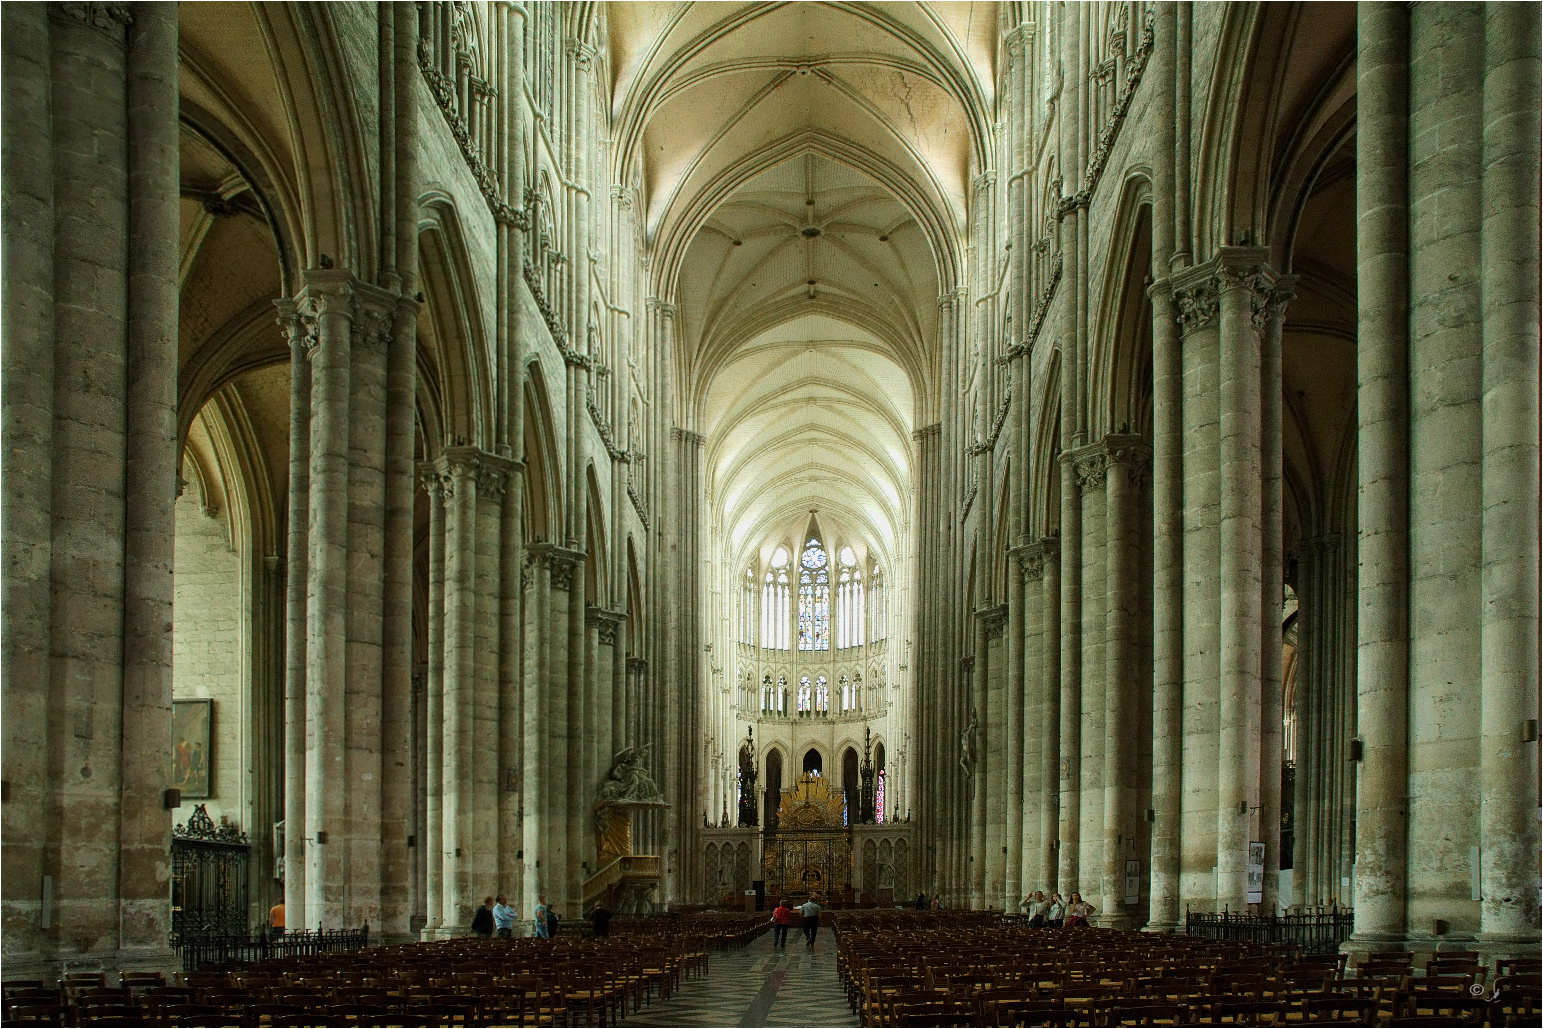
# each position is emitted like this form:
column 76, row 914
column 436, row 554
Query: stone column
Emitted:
column 296, row 582
column 1508, row 826
column 1382, row 444
column 1241, row 279
column 1126, row 458
column 1070, row 625
column 1272, row 590
column 1092, row 464
column 492, row 479
column 89, row 290
column 1195, row 296
column 1016, row 744
column 541, row 771
column 1446, row 458
column 1167, row 490
column 357, row 838
column 328, row 300
column 1026, row 766
column 397, row 723
column 144, row 863
column 1050, row 714
column 513, row 788
column 438, row 489
column 458, row 468
column 26, row 502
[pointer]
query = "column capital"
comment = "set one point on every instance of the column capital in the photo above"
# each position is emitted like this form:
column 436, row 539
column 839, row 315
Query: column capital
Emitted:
column 580, row 53
column 663, row 308
column 687, row 436
column 1032, row 556
column 1196, row 299
column 994, row 620
column 1128, row 454
column 110, row 20
column 924, row 433
column 1090, row 464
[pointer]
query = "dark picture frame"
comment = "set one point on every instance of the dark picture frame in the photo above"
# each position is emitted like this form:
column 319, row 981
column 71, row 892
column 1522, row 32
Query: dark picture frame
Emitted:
column 192, row 748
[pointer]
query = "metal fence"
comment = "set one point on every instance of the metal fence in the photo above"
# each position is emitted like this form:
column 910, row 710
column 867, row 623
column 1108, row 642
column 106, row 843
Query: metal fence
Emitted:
column 198, row 951
column 1316, row 933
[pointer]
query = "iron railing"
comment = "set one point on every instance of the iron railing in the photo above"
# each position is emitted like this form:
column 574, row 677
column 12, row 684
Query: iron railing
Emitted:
column 198, row 951
column 1316, row 933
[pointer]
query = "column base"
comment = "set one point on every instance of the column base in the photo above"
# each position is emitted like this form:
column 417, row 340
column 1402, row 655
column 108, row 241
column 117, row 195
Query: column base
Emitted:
column 1163, row 927
column 1499, row 946
column 1362, row 945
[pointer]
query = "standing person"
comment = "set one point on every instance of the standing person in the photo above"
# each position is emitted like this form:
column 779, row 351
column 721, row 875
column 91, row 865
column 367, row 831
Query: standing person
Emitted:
column 482, row 919
column 504, row 918
column 810, row 909
column 552, row 922
column 600, row 920
column 276, row 921
column 541, row 922
column 1078, row 910
column 1056, row 915
column 921, row 902
column 1038, row 908
column 937, row 902
column 782, row 917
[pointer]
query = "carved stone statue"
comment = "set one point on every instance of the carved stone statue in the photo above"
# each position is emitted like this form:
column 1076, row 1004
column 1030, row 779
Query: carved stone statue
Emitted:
column 627, row 786
column 628, row 781
column 967, row 745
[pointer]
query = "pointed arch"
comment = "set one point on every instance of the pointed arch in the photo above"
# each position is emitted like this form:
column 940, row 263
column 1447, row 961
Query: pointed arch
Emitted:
column 597, row 577
column 543, row 496
column 1120, row 393
column 450, row 325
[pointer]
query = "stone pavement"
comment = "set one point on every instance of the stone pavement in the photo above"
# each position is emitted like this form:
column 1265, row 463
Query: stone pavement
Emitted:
column 759, row 986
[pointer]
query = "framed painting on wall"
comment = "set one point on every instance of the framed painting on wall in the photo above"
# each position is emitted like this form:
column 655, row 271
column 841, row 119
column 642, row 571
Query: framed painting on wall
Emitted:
column 192, row 749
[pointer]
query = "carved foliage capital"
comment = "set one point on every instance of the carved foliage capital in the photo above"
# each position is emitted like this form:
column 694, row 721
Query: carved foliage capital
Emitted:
column 111, row 20
column 1197, row 305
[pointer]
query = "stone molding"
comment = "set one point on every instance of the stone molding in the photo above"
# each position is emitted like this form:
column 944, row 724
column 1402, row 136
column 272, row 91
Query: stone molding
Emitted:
column 1089, row 464
column 109, row 20
column 1031, row 557
column 561, row 562
column 994, row 619
column 687, row 436
column 1197, row 304
column 489, row 473
column 927, row 431
column 1128, row 455
column 609, row 623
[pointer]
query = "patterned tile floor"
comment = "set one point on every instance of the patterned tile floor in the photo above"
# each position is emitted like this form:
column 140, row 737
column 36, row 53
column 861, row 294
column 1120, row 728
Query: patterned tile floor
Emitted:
column 759, row 986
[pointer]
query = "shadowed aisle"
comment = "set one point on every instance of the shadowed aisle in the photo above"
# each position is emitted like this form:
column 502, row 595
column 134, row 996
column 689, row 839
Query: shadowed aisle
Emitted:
column 759, row 986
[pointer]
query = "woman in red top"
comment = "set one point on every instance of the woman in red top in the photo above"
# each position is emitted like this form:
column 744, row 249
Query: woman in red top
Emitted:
column 781, row 919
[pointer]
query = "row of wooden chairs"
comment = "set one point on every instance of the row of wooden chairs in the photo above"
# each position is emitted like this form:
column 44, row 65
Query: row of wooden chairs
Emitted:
column 458, row 982
column 976, row 970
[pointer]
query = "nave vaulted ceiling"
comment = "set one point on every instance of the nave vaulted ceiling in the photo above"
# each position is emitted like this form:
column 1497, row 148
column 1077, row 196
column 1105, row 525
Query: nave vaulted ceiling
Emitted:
column 805, row 172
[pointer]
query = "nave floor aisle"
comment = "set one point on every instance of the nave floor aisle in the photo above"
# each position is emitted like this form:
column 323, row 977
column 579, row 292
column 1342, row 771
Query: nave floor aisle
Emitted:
column 759, row 986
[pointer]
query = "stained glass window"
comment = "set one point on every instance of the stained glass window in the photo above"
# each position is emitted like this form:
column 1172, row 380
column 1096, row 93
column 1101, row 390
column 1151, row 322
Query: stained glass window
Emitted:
column 878, row 798
column 822, row 695
column 814, row 598
column 805, row 696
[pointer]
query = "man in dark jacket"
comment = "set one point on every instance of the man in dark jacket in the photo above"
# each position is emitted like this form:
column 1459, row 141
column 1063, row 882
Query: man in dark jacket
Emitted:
column 482, row 919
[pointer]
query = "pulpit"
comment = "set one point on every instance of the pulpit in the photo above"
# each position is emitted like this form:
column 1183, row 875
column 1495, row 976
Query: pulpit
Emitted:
column 625, row 883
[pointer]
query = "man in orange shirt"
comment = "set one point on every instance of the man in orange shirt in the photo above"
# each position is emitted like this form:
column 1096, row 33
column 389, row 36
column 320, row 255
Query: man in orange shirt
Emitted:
column 276, row 921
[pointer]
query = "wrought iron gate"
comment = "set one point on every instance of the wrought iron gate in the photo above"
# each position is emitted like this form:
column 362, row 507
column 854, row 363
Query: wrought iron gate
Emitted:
column 208, row 879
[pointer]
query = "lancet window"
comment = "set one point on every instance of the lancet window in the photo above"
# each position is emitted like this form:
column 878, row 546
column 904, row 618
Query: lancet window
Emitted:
column 876, row 609
column 814, row 598
column 747, row 608
column 805, row 696
column 775, row 602
column 850, row 615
